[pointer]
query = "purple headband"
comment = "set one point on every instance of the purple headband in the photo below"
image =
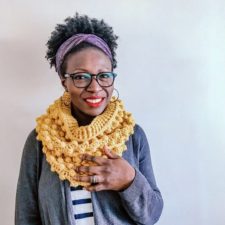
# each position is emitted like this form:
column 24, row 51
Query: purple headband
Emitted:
column 76, row 40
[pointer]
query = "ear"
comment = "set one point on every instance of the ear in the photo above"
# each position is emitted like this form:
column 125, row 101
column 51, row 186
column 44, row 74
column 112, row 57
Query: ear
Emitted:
column 63, row 82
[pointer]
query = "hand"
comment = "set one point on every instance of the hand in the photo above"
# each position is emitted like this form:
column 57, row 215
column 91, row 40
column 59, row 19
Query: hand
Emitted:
column 114, row 173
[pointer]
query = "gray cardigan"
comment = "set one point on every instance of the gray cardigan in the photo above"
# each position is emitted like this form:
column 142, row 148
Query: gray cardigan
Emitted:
column 43, row 199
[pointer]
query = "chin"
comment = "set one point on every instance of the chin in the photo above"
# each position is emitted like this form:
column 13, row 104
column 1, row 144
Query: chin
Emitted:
column 94, row 112
column 86, row 111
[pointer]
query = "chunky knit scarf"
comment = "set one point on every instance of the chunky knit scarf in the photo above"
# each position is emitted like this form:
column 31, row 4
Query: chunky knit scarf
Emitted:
column 64, row 141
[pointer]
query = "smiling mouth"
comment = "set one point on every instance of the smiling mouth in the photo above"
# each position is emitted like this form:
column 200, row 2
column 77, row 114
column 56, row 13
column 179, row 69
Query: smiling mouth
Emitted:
column 94, row 102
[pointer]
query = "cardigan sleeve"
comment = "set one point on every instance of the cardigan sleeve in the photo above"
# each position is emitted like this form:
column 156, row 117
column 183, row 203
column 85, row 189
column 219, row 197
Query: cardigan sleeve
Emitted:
column 26, row 210
column 142, row 199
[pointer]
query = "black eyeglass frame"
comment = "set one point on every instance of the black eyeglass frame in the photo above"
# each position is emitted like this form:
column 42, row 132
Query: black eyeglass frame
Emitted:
column 72, row 75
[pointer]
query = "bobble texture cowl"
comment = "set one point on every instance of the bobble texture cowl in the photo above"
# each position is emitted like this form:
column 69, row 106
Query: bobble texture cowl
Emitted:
column 64, row 141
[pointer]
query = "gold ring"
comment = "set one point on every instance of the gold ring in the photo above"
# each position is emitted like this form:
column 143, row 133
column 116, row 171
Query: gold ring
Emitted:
column 94, row 180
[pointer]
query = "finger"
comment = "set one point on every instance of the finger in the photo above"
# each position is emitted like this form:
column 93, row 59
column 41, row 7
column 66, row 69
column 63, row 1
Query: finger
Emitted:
column 82, row 179
column 90, row 169
column 110, row 154
column 88, row 179
column 97, row 159
column 97, row 187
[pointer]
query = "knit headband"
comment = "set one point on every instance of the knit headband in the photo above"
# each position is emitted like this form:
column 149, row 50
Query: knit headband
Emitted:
column 76, row 40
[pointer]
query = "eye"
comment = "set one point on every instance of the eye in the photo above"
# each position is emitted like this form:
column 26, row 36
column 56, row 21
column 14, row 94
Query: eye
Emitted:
column 105, row 75
column 81, row 76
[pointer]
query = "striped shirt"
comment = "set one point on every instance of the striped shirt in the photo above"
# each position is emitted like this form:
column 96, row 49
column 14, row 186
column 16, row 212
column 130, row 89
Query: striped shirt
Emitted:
column 82, row 206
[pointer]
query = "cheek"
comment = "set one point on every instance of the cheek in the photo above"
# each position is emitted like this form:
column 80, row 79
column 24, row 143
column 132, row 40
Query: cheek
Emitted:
column 110, row 91
column 75, row 93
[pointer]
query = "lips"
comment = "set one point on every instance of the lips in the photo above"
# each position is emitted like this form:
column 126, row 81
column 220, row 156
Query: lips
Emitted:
column 94, row 101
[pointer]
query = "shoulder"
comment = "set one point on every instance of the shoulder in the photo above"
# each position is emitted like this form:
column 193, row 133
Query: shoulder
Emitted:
column 30, row 161
column 32, row 136
column 138, row 142
column 138, row 130
column 31, row 139
column 137, row 146
column 32, row 147
column 139, row 134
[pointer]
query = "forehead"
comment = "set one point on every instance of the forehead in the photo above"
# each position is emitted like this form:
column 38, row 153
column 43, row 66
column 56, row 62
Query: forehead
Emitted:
column 89, row 59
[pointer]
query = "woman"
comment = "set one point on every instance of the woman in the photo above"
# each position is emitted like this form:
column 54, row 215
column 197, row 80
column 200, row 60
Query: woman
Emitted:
column 86, row 162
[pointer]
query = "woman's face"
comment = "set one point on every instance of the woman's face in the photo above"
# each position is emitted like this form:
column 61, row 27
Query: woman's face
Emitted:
column 93, row 99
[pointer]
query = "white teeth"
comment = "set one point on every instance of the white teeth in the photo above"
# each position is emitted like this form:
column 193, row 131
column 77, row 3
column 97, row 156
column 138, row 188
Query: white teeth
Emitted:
column 97, row 100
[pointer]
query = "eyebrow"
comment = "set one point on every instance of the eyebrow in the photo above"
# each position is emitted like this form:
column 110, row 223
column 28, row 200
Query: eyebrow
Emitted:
column 81, row 69
column 87, row 71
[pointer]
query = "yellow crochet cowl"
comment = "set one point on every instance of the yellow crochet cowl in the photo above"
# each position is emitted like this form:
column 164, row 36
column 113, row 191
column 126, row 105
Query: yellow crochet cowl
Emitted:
column 64, row 141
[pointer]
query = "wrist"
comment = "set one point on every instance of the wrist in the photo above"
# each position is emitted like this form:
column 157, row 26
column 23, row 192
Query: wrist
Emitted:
column 131, row 176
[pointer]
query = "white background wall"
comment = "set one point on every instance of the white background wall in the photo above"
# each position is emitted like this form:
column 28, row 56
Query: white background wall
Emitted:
column 171, row 76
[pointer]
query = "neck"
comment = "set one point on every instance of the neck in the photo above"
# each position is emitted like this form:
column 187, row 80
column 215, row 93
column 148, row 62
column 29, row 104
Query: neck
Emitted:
column 82, row 118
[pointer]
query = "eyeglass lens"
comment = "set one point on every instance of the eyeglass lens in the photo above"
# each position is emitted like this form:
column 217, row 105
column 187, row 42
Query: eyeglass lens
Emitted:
column 84, row 79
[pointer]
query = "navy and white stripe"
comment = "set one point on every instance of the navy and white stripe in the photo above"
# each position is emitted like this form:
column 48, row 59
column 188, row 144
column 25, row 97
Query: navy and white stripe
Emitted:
column 82, row 206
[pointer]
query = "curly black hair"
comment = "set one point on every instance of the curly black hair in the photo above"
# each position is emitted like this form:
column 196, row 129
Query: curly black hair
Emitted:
column 80, row 24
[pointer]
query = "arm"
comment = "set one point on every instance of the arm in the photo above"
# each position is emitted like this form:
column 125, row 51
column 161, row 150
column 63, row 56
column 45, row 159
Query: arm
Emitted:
column 142, row 199
column 27, row 211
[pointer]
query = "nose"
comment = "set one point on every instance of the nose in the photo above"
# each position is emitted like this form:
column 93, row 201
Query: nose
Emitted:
column 94, row 86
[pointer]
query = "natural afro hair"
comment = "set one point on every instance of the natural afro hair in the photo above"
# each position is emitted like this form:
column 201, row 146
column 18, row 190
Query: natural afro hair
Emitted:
column 80, row 24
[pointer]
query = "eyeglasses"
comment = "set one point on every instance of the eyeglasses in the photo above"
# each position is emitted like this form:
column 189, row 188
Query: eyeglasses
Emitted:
column 83, row 79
